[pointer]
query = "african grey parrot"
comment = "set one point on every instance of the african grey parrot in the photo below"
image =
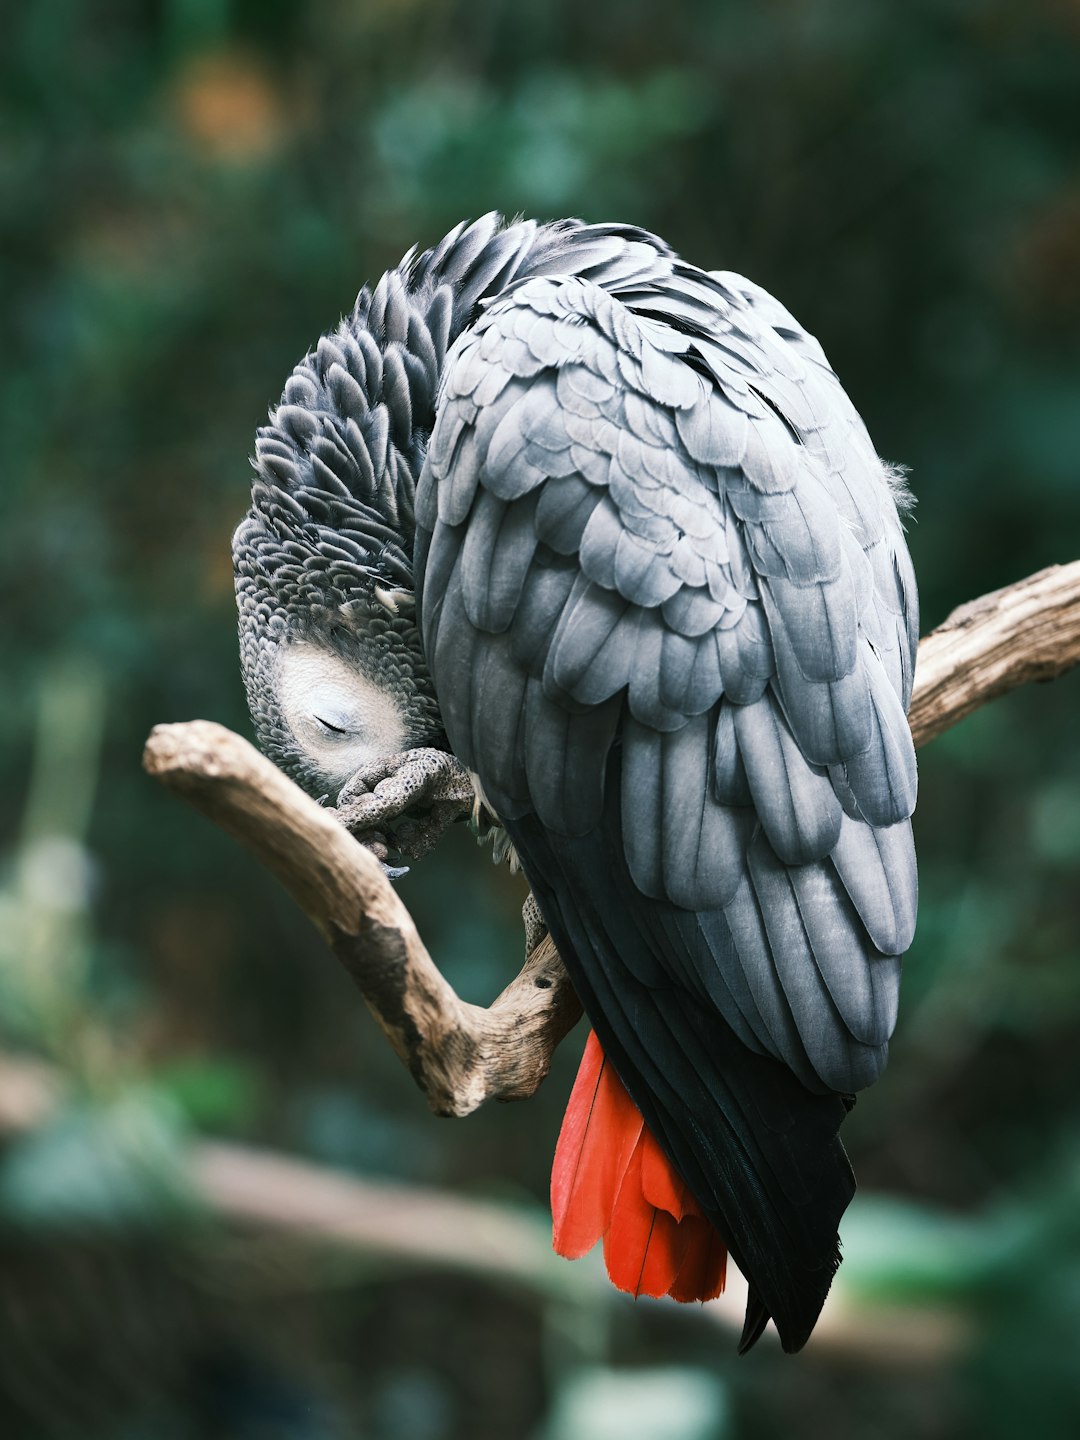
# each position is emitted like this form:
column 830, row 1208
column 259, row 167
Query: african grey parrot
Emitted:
column 606, row 528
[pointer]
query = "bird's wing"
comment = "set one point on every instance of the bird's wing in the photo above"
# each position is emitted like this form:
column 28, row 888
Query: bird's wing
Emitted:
column 690, row 542
column 668, row 611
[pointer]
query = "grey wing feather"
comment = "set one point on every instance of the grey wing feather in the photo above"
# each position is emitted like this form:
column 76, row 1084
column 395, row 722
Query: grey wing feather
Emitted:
column 798, row 807
column 683, row 542
column 836, row 1053
column 498, row 550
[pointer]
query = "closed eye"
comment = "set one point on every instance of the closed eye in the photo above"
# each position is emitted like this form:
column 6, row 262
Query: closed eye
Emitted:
column 338, row 716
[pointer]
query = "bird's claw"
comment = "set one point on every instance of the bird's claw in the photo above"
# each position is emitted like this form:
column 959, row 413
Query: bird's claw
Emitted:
column 405, row 802
column 377, row 843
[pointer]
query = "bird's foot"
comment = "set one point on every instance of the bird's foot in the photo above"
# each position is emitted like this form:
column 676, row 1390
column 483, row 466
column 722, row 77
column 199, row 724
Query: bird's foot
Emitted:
column 403, row 803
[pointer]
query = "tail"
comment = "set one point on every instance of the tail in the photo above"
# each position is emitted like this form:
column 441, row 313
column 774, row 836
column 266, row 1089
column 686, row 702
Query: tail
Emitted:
column 610, row 1180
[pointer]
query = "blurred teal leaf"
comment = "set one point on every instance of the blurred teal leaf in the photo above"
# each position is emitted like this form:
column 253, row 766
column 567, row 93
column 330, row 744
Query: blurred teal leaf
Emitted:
column 209, row 1093
column 677, row 1403
column 898, row 1250
column 112, row 1165
column 1056, row 821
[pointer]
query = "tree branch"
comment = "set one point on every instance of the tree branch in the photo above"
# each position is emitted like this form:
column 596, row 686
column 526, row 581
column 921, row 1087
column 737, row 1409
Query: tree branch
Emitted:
column 460, row 1054
column 415, row 1225
column 1028, row 631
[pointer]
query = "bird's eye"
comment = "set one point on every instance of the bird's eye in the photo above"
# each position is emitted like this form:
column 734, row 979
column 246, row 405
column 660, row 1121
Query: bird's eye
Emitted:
column 333, row 729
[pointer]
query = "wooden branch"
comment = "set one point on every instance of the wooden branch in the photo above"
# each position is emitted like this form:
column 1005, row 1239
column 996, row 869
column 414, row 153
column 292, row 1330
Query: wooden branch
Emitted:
column 1028, row 631
column 459, row 1054
column 398, row 1221
column 408, row 1225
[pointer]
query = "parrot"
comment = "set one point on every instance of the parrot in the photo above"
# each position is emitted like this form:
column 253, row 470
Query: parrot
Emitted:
column 561, row 530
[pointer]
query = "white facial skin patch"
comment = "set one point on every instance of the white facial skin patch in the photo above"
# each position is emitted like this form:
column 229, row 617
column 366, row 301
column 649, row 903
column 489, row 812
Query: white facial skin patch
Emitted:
column 338, row 716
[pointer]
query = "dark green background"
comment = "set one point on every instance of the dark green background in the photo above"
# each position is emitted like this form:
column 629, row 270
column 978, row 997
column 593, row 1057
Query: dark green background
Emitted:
column 190, row 192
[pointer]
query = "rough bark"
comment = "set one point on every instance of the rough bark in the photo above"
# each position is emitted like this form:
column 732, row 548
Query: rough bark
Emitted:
column 460, row 1054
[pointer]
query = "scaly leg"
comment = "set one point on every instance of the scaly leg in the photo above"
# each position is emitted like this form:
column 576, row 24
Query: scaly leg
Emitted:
column 535, row 928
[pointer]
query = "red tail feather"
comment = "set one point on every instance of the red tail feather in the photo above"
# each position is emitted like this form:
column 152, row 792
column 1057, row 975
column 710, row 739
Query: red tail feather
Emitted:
column 611, row 1181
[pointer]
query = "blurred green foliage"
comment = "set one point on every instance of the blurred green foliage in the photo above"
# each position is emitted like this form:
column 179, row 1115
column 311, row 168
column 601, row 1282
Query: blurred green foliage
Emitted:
column 190, row 192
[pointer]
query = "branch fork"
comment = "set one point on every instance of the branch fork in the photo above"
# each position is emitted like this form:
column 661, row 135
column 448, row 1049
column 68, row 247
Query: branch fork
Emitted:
column 459, row 1054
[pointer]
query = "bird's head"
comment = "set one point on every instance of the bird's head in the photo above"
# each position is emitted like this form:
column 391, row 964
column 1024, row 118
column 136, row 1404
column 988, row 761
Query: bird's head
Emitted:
column 329, row 646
